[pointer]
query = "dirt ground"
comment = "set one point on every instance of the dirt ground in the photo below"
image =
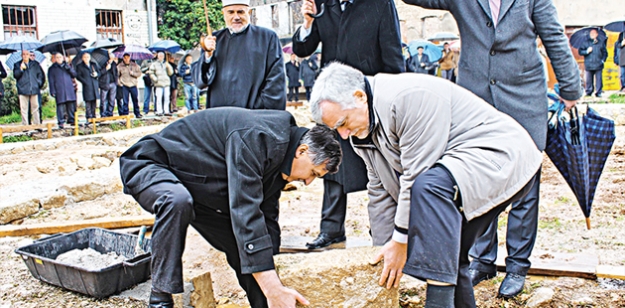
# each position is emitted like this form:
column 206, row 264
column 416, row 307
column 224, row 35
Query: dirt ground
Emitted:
column 561, row 230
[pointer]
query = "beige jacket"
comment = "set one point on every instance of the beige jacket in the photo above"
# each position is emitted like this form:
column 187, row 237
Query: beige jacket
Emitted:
column 159, row 73
column 422, row 120
column 128, row 74
column 447, row 62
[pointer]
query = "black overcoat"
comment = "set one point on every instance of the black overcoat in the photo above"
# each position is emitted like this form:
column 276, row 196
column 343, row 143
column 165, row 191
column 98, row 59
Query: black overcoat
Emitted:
column 60, row 82
column 308, row 72
column 90, row 84
column 292, row 74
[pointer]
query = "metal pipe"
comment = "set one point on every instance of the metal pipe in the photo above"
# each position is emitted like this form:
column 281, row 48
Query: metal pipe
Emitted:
column 150, row 34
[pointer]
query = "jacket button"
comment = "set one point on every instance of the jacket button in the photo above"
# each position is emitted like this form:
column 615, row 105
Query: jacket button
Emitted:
column 218, row 211
column 492, row 52
column 461, row 209
column 493, row 81
column 489, row 23
column 250, row 246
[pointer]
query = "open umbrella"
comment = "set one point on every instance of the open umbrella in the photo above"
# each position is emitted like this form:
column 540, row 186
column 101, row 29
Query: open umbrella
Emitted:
column 98, row 55
column 582, row 35
column 58, row 41
column 616, row 26
column 165, row 45
column 433, row 52
column 288, row 48
column 106, row 43
column 579, row 149
column 17, row 56
column 136, row 52
column 444, row 36
column 19, row 42
column 195, row 55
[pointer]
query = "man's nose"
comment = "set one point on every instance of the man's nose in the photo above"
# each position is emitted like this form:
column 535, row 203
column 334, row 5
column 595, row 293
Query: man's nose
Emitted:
column 309, row 180
column 344, row 133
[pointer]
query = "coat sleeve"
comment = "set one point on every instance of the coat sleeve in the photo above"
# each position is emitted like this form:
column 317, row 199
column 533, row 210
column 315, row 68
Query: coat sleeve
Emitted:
column 245, row 163
column 71, row 71
column 17, row 71
column 3, row 72
column 51, row 81
column 152, row 72
column 273, row 92
column 422, row 121
column 41, row 77
column 390, row 40
column 80, row 75
column 556, row 44
column 135, row 70
column 617, row 51
column 604, row 51
column 432, row 4
column 308, row 46
column 203, row 73
column 169, row 69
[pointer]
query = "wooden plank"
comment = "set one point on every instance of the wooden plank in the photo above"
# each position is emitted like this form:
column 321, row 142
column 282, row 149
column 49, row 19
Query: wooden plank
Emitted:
column 612, row 272
column 295, row 244
column 51, row 228
column 21, row 128
column 113, row 118
column 294, row 104
column 557, row 264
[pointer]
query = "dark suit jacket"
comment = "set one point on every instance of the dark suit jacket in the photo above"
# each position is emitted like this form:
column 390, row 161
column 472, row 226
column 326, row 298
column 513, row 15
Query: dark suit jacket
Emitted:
column 366, row 37
column 502, row 64
column 415, row 64
column 594, row 60
column 292, row 74
column 90, row 85
column 60, row 82
column 230, row 160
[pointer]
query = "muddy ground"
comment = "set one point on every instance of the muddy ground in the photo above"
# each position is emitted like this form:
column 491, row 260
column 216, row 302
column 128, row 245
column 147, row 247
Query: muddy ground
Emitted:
column 561, row 230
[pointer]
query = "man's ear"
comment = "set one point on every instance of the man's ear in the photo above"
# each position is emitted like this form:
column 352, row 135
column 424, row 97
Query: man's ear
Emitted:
column 301, row 149
column 361, row 96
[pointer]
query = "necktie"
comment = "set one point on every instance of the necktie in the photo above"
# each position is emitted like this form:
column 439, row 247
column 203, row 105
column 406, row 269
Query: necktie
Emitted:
column 494, row 10
column 344, row 4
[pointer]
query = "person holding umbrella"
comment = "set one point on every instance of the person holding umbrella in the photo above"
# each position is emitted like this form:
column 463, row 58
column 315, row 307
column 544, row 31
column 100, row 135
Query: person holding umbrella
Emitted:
column 173, row 83
column 619, row 57
column 30, row 78
column 3, row 74
column 87, row 72
column 60, row 76
column 447, row 62
column 109, row 78
column 129, row 72
column 595, row 53
column 420, row 62
column 292, row 72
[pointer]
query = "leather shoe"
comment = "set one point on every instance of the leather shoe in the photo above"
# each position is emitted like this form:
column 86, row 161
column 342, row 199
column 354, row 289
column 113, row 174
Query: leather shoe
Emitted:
column 324, row 240
column 160, row 300
column 512, row 285
column 479, row 276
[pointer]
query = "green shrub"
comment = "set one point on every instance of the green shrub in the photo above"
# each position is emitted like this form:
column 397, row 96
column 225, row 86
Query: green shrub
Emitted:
column 10, row 102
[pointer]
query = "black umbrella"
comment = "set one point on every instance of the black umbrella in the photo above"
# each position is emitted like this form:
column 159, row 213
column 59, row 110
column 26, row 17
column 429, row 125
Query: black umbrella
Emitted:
column 98, row 55
column 20, row 42
column 106, row 43
column 58, row 41
column 582, row 35
column 616, row 26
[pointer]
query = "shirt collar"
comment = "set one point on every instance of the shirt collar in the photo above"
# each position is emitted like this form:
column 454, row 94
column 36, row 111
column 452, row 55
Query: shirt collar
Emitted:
column 296, row 135
column 372, row 117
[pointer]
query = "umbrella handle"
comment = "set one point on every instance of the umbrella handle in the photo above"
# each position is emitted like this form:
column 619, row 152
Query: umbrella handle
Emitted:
column 588, row 223
column 322, row 11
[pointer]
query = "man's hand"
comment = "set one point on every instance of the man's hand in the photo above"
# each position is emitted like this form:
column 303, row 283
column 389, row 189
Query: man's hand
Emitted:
column 422, row 64
column 589, row 50
column 23, row 66
column 394, row 255
column 278, row 296
column 308, row 7
column 569, row 104
column 209, row 44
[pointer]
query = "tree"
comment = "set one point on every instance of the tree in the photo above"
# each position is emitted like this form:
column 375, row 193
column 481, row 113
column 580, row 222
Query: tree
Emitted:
column 183, row 20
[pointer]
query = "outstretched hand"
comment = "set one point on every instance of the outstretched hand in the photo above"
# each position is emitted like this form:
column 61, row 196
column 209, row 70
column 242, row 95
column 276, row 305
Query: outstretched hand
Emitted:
column 394, row 255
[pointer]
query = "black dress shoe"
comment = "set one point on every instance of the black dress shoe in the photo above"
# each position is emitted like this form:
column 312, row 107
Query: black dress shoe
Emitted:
column 160, row 300
column 479, row 276
column 324, row 240
column 512, row 285
column 138, row 116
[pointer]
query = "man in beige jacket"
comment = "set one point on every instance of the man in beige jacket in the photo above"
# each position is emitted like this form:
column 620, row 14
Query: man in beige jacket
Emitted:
column 129, row 72
column 442, row 163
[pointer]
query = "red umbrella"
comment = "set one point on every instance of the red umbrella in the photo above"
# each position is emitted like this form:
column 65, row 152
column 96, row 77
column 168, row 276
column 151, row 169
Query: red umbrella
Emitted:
column 288, row 48
column 136, row 52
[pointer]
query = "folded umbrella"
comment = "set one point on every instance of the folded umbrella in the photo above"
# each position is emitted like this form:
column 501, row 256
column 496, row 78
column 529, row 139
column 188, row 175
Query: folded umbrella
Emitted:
column 433, row 52
column 616, row 26
column 136, row 52
column 106, row 43
column 582, row 35
column 17, row 56
column 444, row 36
column 59, row 41
column 98, row 55
column 165, row 45
column 19, row 42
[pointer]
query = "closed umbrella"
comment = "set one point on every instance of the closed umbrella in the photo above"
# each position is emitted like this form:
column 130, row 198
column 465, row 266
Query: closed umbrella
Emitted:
column 98, row 55
column 17, row 56
column 20, row 42
column 165, row 45
column 58, row 41
column 106, row 43
column 444, row 36
column 433, row 52
column 136, row 52
column 582, row 35
column 616, row 26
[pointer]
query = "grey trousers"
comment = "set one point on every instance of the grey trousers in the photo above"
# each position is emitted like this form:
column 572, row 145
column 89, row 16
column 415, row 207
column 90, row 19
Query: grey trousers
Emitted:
column 595, row 76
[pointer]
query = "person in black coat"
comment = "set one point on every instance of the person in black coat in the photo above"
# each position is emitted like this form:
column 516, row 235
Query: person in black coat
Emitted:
column 87, row 74
column 364, row 35
column 292, row 73
column 308, row 73
column 108, row 80
column 619, row 57
column 30, row 79
column 595, row 53
column 227, row 196
column 3, row 74
column 60, row 77
column 420, row 62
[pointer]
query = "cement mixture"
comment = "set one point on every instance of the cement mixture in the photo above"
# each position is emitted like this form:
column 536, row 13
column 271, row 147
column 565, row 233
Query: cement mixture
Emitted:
column 89, row 259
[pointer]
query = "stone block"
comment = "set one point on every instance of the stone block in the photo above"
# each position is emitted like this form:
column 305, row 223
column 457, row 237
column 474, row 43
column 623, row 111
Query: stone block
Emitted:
column 100, row 162
column 53, row 201
column 84, row 190
column 10, row 211
column 337, row 278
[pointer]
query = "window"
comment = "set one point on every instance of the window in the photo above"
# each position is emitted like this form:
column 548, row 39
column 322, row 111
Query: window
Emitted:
column 253, row 18
column 108, row 24
column 19, row 20
column 275, row 21
column 296, row 17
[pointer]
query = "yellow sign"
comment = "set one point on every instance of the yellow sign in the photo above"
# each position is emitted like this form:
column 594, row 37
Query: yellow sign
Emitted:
column 611, row 81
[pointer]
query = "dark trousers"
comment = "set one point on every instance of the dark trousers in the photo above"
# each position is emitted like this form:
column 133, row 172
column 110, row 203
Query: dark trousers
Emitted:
column 120, row 99
column 595, row 75
column 293, row 94
column 447, row 74
column 334, row 209
column 175, row 210
column 173, row 99
column 107, row 100
column 65, row 109
column 308, row 92
column 520, row 237
column 439, row 235
column 90, row 107
column 623, row 77
column 134, row 94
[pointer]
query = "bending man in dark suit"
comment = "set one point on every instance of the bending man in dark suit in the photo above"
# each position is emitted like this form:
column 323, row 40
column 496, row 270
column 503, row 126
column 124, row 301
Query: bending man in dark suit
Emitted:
column 364, row 35
column 500, row 63
column 214, row 170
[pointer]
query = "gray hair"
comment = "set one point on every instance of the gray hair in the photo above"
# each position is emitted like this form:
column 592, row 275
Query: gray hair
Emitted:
column 336, row 83
column 323, row 147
